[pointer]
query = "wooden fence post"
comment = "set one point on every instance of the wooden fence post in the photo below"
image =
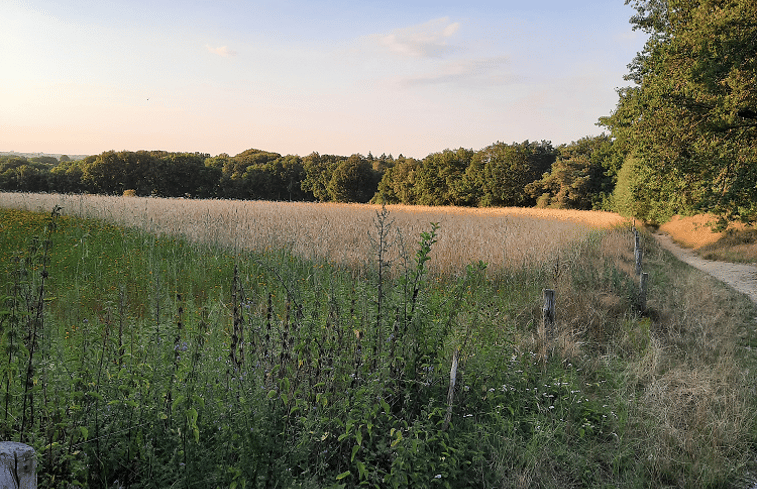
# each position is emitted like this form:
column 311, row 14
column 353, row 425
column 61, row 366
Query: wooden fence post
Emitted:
column 637, row 251
column 643, row 292
column 18, row 466
column 548, row 313
column 451, row 391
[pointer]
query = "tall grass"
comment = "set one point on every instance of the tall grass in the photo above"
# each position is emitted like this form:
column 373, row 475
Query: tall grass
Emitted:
column 504, row 238
column 166, row 362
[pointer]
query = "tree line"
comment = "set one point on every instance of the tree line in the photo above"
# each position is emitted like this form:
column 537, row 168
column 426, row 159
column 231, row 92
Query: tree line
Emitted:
column 578, row 175
column 682, row 139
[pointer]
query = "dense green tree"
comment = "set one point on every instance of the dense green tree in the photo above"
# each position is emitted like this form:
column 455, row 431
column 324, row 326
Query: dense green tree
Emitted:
column 499, row 173
column 288, row 172
column 49, row 161
column 19, row 174
column 182, row 174
column 66, row 177
column 318, row 171
column 113, row 172
column 147, row 172
column 437, row 179
column 397, row 185
column 353, row 180
column 582, row 177
column 689, row 124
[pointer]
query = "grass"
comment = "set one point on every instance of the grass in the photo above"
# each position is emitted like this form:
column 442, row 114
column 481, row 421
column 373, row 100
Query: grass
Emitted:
column 163, row 361
column 737, row 244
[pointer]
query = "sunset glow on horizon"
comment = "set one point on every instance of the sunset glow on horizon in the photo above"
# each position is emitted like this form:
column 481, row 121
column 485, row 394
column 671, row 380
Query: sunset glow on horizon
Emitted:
column 294, row 77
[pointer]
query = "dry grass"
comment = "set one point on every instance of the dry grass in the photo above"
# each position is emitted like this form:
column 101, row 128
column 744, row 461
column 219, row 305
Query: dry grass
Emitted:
column 737, row 244
column 509, row 237
column 692, row 231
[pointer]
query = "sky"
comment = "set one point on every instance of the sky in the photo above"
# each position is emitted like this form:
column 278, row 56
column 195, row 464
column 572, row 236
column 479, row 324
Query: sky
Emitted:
column 295, row 76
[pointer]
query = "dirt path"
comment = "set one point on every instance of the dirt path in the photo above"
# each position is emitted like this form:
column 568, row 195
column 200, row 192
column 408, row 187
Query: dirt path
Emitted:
column 740, row 276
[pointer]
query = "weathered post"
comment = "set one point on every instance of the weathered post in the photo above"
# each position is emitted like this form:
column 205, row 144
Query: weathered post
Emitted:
column 18, row 466
column 548, row 313
column 643, row 292
column 451, row 391
column 637, row 251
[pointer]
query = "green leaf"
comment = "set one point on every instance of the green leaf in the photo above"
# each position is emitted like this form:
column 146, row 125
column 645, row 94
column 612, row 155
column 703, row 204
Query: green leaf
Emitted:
column 272, row 393
column 397, row 440
column 96, row 395
column 386, row 407
column 354, row 452
column 343, row 475
column 198, row 400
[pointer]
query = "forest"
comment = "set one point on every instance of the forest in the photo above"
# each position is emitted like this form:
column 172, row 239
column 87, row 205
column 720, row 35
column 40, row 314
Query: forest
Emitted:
column 682, row 139
column 579, row 175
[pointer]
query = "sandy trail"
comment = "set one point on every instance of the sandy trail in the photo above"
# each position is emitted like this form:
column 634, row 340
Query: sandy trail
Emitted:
column 740, row 276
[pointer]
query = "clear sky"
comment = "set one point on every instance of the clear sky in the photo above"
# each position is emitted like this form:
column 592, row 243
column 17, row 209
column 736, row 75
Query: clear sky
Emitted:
column 296, row 76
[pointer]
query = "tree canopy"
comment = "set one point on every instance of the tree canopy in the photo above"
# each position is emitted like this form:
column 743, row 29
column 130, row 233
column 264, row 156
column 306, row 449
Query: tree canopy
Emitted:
column 689, row 124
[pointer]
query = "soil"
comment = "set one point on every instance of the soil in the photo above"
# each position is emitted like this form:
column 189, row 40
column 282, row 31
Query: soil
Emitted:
column 740, row 276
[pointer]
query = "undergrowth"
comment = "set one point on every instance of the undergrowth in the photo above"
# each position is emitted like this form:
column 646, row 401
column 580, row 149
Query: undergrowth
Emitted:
column 131, row 360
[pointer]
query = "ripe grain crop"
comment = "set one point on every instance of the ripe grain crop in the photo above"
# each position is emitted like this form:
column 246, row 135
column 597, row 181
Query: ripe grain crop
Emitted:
column 501, row 237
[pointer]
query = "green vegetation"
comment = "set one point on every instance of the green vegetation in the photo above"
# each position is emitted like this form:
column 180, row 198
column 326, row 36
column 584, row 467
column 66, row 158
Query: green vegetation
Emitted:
column 133, row 360
column 494, row 176
column 688, row 125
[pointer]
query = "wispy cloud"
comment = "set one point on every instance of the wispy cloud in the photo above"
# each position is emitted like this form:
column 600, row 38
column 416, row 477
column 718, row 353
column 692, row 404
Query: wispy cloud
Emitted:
column 223, row 51
column 427, row 40
column 482, row 72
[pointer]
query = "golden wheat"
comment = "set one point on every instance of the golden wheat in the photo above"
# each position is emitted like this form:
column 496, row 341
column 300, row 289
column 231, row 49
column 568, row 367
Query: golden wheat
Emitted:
column 503, row 237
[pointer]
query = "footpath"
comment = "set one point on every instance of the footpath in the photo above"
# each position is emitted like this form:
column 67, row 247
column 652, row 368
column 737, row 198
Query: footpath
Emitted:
column 740, row 276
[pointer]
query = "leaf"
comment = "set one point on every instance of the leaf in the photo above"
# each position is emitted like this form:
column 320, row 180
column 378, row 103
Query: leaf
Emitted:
column 179, row 399
column 354, row 452
column 386, row 407
column 272, row 393
column 362, row 473
column 397, row 440
column 359, row 437
column 343, row 475
column 198, row 400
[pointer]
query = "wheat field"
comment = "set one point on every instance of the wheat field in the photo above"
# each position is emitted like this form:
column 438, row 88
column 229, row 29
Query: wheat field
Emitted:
column 341, row 233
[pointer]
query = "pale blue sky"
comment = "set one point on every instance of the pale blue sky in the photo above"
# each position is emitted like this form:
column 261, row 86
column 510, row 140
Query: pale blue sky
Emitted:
column 294, row 76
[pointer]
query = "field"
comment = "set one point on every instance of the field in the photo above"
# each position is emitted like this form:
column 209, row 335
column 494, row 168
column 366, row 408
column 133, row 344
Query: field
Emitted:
column 337, row 232
column 172, row 343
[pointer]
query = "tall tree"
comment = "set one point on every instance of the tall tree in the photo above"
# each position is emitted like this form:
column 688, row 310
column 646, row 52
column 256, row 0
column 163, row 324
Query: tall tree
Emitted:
column 437, row 179
column 353, row 180
column 397, row 185
column 499, row 173
column 689, row 124
column 582, row 177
